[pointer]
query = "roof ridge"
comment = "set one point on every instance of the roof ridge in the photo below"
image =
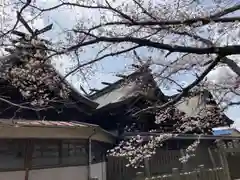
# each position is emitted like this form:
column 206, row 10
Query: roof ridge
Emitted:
column 114, row 85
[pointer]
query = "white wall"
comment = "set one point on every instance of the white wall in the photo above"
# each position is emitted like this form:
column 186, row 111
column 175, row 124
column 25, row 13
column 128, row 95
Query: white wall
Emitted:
column 12, row 175
column 99, row 170
column 65, row 173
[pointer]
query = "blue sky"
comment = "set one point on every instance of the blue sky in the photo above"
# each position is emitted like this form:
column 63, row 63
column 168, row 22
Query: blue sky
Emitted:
column 106, row 70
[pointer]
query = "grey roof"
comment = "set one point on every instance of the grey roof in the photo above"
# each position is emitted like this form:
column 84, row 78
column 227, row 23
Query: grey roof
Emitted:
column 194, row 105
column 134, row 85
column 117, row 95
column 76, row 94
column 139, row 83
column 198, row 104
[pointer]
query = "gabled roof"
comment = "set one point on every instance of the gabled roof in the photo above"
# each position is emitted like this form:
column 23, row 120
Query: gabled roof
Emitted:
column 138, row 84
column 135, row 86
column 198, row 103
column 77, row 96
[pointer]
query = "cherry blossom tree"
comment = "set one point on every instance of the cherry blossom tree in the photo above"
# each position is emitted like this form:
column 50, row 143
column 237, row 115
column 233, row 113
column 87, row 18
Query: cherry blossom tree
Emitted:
column 173, row 37
column 176, row 36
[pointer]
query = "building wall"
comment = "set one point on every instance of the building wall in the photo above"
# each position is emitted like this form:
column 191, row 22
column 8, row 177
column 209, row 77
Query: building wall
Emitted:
column 235, row 133
column 65, row 173
column 51, row 159
column 99, row 170
column 12, row 175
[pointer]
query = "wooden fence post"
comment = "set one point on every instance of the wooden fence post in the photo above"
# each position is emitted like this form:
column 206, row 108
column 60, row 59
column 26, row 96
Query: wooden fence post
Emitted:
column 213, row 163
column 176, row 174
column 224, row 163
column 147, row 167
column 183, row 164
column 140, row 176
column 202, row 175
column 212, row 158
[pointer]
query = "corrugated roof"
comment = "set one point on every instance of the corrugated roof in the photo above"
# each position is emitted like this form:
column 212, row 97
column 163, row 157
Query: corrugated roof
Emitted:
column 38, row 123
column 50, row 123
column 34, row 129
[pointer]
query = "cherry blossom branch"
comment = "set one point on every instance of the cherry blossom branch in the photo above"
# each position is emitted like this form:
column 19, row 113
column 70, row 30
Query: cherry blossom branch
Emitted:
column 188, row 22
column 224, row 50
column 18, row 18
column 226, row 11
column 184, row 90
column 205, row 20
column 233, row 65
column 100, row 58
column 144, row 10
column 24, row 107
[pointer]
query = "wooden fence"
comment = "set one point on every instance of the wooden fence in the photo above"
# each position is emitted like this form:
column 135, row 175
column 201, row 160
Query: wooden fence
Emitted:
column 214, row 160
column 199, row 174
column 162, row 163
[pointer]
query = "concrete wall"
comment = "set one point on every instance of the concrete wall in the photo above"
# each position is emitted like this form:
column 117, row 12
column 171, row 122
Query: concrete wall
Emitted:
column 99, row 170
column 64, row 173
column 12, row 175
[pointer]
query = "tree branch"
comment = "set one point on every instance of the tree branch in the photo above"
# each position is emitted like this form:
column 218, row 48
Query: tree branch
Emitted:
column 144, row 10
column 100, row 58
column 226, row 11
column 231, row 64
column 18, row 18
column 186, row 89
column 22, row 106
column 225, row 50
